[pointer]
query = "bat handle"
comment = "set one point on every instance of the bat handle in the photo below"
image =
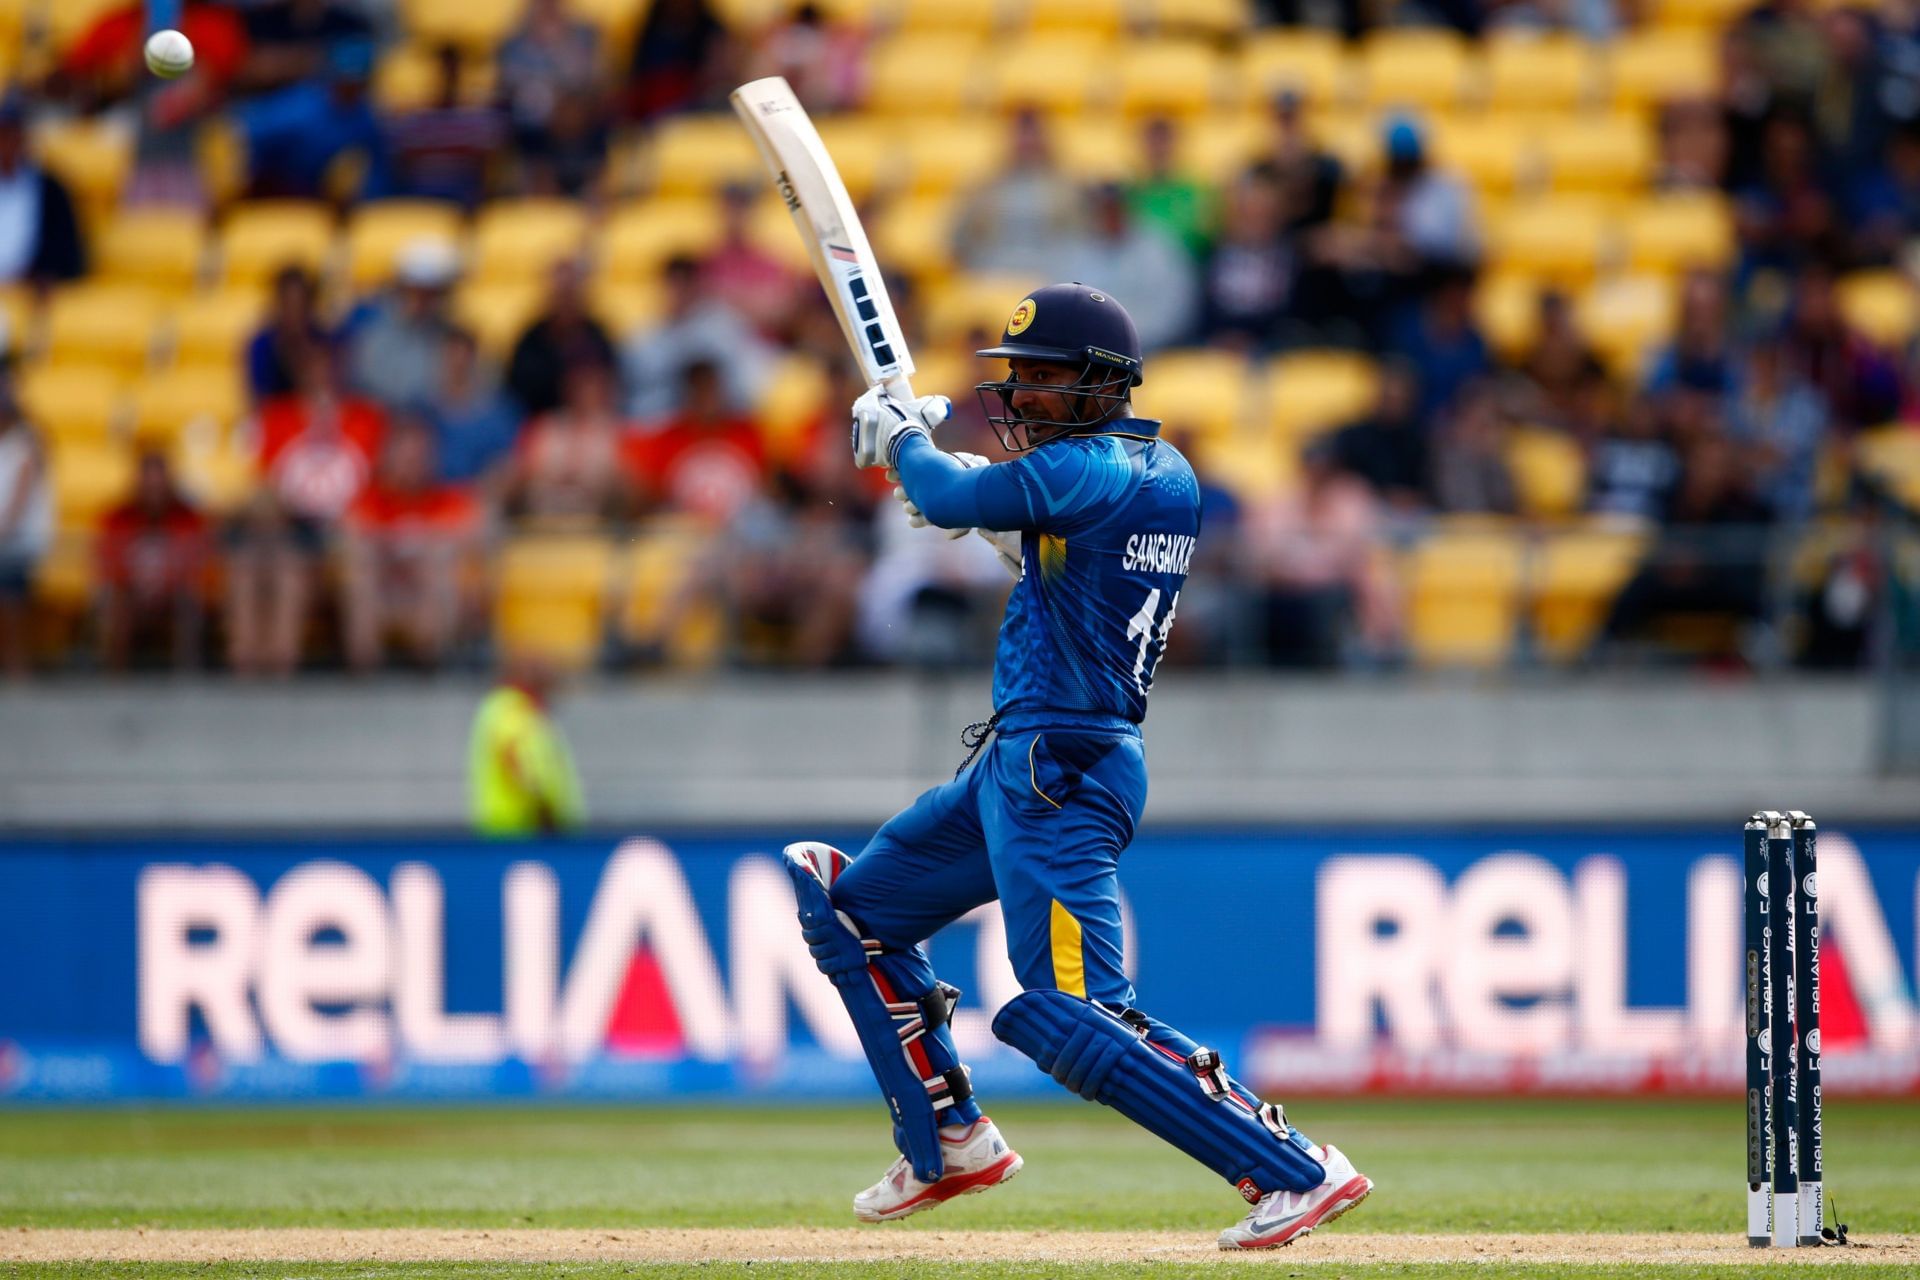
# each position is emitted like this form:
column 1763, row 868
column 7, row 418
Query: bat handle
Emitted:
column 898, row 389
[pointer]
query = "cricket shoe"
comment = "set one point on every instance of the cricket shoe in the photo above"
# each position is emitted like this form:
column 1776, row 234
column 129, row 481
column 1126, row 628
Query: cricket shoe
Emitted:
column 1284, row 1216
column 976, row 1158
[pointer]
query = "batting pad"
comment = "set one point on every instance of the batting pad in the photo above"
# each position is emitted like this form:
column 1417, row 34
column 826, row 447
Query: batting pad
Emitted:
column 900, row 1011
column 1103, row 1059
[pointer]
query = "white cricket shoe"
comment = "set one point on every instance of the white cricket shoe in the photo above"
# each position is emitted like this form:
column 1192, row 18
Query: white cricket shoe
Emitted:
column 1284, row 1216
column 976, row 1158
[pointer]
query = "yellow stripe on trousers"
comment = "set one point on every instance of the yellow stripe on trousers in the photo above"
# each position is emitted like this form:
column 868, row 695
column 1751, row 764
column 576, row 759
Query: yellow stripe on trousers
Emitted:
column 1069, row 968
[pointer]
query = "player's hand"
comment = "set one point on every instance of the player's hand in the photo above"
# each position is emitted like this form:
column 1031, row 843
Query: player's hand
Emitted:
column 915, row 516
column 1007, row 547
column 880, row 423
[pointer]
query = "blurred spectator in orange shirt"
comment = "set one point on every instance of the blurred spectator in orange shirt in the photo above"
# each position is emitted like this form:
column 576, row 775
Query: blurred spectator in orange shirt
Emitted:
column 107, row 64
column 742, row 275
column 407, row 536
column 152, row 563
column 567, row 466
column 317, row 446
column 293, row 333
column 705, row 460
column 563, row 336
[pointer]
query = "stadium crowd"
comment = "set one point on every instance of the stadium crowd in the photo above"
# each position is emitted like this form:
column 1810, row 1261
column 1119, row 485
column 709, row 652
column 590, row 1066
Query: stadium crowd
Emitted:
column 394, row 447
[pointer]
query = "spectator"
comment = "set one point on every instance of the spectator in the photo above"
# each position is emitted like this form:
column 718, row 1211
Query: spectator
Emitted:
column 475, row 424
column 567, row 466
column 705, row 460
column 397, row 351
column 1137, row 262
column 1470, row 471
column 745, row 277
column 1430, row 212
column 681, row 58
column 1309, row 177
column 441, row 151
column 563, row 336
column 822, row 60
column 1883, row 201
column 1780, row 421
column 26, row 528
column 152, row 566
column 1860, row 383
column 1442, row 343
column 1789, row 214
column 1388, row 448
column 1168, row 198
column 292, row 40
column 1249, row 273
column 272, row 562
column 293, row 334
column 317, row 448
column 1700, row 358
column 571, row 161
column 1567, row 386
column 40, row 240
column 296, row 136
column 696, row 327
column 1634, row 466
column 407, row 539
column 1324, row 591
column 521, row 781
column 1020, row 221
column 551, row 55
column 1693, row 146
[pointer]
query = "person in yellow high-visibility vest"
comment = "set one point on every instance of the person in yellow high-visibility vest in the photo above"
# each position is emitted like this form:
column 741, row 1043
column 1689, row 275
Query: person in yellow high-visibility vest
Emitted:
column 521, row 779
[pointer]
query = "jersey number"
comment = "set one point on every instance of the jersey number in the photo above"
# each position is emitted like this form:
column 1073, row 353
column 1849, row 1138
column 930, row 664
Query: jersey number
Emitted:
column 1141, row 627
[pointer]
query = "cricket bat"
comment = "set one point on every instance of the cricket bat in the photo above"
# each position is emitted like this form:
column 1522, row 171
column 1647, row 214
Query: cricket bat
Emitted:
column 836, row 243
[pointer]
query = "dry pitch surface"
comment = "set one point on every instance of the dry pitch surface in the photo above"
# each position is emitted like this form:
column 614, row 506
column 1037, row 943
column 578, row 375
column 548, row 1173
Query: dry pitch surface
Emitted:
column 803, row 1244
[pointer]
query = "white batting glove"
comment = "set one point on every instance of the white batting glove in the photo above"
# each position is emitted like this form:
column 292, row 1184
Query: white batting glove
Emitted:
column 881, row 423
column 915, row 516
column 1007, row 547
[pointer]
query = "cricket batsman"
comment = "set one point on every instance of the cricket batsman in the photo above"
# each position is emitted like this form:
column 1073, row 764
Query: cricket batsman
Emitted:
column 1106, row 515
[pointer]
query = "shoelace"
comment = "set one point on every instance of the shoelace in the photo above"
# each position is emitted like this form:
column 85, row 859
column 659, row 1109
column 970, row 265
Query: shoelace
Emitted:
column 974, row 737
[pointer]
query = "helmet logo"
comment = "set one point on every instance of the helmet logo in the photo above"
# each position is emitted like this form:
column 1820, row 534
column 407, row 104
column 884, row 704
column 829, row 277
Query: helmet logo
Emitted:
column 1022, row 317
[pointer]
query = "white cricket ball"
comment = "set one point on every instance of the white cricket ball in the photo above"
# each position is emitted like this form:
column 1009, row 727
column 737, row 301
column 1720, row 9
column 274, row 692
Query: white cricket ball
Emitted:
column 169, row 54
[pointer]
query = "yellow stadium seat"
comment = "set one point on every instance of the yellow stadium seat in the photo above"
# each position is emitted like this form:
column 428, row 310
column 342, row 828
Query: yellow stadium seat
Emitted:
column 1463, row 597
column 913, row 235
column 167, row 403
column 159, row 247
column 1549, row 471
column 90, row 476
column 1414, row 69
column 1530, row 72
column 697, row 155
column 214, row 328
column 968, row 303
column 1219, row 149
column 1559, row 238
column 1254, row 472
column 1215, row 18
column 771, row 229
column 791, row 401
column 898, row 80
column 407, row 78
column 377, row 232
column 1197, row 390
column 1096, row 147
column 1495, row 153
column 519, row 240
column 105, row 324
column 1891, row 455
column 19, row 321
column 626, row 305
column 1308, row 392
column 475, row 25
column 1507, row 308
column 863, row 152
column 93, row 157
column 1091, row 17
column 1880, row 304
column 1352, row 138
column 1710, row 16
column 219, row 470
column 1049, row 72
column 640, row 237
column 550, row 598
column 70, row 19
column 659, row 562
column 1626, row 317
column 942, row 16
column 498, row 312
column 74, row 401
column 617, row 21
column 1169, row 77
column 64, row 581
column 1575, row 576
column 1649, row 67
column 1310, row 62
column 262, row 237
column 1599, row 153
column 1678, row 232
column 952, row 155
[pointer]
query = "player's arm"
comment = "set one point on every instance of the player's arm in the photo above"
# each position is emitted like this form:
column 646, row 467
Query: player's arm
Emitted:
column 953, row 495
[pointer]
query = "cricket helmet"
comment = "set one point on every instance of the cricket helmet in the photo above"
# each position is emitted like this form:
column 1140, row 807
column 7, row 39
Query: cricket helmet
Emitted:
column 1072, row 324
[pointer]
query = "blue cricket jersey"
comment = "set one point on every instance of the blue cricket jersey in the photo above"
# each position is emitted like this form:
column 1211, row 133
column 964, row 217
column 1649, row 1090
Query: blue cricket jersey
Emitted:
column 1108, row 524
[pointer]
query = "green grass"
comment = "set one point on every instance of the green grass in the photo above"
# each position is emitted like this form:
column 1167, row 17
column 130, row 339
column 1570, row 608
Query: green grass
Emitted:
column 1446, row 1167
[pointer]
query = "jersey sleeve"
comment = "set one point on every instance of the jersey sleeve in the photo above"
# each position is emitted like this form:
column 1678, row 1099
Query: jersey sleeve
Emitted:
column 1047, row 489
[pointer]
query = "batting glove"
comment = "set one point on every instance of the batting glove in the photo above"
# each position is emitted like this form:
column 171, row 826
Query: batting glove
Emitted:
column 881, row 423
column 915, row 516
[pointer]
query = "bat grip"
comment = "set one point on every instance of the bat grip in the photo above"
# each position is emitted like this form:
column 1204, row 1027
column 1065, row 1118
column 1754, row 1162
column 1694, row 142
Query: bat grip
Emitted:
column 899, row 389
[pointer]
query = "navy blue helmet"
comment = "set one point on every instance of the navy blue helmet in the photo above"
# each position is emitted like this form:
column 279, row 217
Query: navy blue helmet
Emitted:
column 1072, row 324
